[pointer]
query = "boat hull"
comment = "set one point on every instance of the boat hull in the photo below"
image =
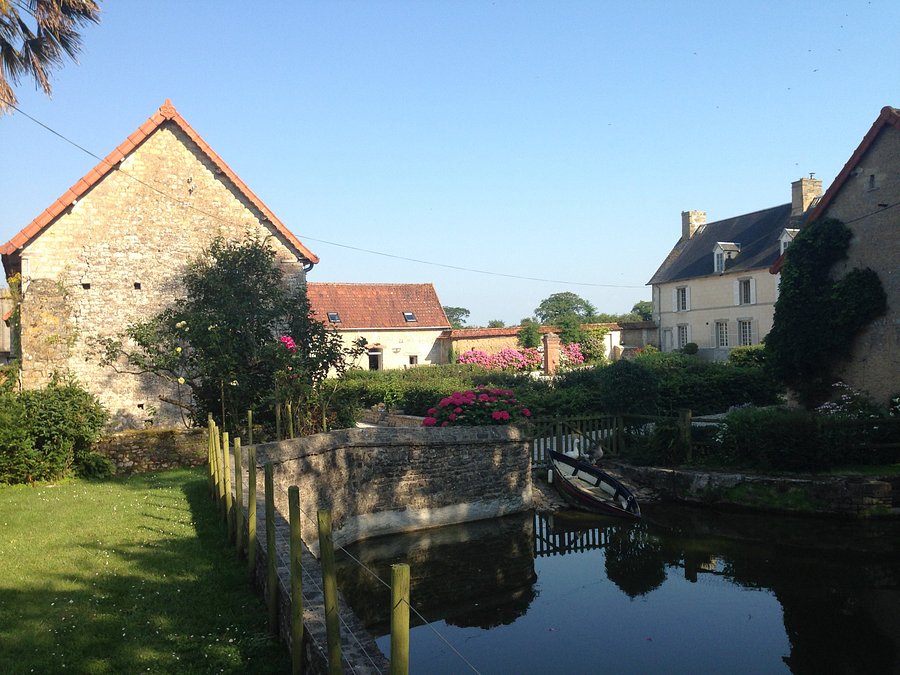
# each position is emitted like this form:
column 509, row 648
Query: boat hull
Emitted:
column 588, row 487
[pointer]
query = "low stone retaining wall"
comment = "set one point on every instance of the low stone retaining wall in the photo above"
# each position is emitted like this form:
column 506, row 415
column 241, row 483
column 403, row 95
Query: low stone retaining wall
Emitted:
column 385, row 480
column 847, row 496
column 144, row 450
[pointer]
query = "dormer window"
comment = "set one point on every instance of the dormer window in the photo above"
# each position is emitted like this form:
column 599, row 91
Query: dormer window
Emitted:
column 722, row 253
column 787, row 236
column 334, row 317
column 409, row 316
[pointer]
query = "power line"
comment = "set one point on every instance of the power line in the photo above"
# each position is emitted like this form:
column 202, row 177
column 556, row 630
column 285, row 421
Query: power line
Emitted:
column 310, row 238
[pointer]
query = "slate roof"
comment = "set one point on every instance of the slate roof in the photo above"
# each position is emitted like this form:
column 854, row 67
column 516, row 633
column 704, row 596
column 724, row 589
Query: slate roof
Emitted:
column 373, row 306
column 166, row 113
column 757, row 233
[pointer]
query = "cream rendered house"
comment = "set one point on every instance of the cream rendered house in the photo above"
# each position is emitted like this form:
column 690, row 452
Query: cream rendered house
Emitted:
column 404, row 324
column 714, row 288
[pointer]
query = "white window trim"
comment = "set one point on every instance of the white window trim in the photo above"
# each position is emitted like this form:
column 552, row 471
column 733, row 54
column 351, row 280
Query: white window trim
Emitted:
column 676, row 306
column 718, row 334
column 740, row 334
column 738, row 296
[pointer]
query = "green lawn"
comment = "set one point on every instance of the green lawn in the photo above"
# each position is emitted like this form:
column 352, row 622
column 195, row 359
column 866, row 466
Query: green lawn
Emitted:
column 126, row 576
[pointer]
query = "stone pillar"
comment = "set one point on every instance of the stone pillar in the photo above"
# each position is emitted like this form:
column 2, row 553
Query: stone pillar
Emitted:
column 551, row 353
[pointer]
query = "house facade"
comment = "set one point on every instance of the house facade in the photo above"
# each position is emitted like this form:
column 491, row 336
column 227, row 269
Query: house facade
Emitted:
column 865, row 196
column 404, row 325
column 714, row 288
column 110, row 252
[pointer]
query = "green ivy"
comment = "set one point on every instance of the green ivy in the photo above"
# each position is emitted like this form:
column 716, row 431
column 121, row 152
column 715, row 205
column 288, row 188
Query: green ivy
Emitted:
column 816, row 316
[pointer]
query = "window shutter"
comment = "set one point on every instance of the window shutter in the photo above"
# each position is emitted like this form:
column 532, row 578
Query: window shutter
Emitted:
column 687, row 298
column 674, row 299
column 736, row 288
column 752, row 291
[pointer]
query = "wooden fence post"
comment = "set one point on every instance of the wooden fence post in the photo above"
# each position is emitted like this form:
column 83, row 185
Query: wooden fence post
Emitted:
column 229, row 499
column 329, row 587
column 277, row 420
column 271, row 576
column 249, row 427
column 220, row 478
column 211, row 456
column 238, row 497
column 251, row 512
column 289, row 411
column 399, row 619
column 684, row 424
column 296, row 582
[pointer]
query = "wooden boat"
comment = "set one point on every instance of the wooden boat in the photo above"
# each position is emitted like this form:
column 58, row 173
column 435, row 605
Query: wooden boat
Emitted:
column 591, row 488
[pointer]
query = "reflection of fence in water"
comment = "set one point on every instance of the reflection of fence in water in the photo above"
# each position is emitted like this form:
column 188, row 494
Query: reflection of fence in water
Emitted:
column 555, row 536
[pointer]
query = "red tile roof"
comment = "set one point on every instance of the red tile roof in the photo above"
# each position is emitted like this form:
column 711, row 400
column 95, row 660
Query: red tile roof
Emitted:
column 887, row 117
column 377, row 305
column 165, row 113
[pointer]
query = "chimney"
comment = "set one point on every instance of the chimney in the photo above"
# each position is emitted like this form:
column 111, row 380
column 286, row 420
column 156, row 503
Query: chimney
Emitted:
column 691, row 221
column 803, row 193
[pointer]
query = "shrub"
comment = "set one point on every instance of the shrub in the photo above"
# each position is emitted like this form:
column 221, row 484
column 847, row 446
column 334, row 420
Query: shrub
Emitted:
column 774, row 438
column 18, row 460
column 627, row 387
column 477, row 408
column 749, row 356
column 690, row 348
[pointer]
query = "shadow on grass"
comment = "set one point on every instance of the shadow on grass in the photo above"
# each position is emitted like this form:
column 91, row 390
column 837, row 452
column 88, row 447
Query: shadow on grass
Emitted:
column 165, row 593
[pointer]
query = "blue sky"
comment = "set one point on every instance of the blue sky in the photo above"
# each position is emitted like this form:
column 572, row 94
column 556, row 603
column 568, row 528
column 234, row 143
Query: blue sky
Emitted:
column 555, row 140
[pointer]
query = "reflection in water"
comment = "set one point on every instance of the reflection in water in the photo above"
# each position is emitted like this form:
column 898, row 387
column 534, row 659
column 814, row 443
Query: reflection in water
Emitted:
column 723, row 592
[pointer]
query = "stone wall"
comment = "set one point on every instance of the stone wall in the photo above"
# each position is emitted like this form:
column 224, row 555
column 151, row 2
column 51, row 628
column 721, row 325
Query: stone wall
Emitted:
column 154, row 449
column 384, row 480
column 857, row 497
column 116, row 257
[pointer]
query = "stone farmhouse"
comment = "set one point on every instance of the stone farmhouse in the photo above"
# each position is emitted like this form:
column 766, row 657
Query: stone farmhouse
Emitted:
column 714, row 288
column 865, row 196
column 110, row 252
column 404, row 324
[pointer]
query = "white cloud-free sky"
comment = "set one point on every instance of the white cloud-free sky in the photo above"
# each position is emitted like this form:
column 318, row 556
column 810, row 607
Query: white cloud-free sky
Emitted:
column 551, row 140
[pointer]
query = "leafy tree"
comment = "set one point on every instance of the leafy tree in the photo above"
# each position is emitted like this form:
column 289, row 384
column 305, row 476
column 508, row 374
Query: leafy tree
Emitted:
column 816, row 316
column 529, row 334
column 561, row 306
column 221, row 340
column 496, row 323
column 644, row 309
column 457, row 316
column 36, row 37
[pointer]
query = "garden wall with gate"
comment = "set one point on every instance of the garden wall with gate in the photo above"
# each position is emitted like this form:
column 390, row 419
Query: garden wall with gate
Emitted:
column 385, row 480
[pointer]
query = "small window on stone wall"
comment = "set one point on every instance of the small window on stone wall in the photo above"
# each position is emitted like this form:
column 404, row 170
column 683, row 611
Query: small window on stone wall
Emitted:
column 137, row 285
column 86, row 287
column 140, row 406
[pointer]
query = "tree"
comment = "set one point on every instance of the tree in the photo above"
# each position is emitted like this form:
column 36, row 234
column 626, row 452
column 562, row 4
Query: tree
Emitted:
column 224, row 340
column 457, row 316
column 644, row 309
column 35, row 38
column 560, row 306
column 496, row 323
column 818, row 317
column 529, row 335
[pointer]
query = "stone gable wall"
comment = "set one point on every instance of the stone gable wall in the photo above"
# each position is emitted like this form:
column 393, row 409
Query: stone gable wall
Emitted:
column 874, row 362
column 116, row 257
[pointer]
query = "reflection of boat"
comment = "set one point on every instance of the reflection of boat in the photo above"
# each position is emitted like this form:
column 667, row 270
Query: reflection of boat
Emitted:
column 589, row 487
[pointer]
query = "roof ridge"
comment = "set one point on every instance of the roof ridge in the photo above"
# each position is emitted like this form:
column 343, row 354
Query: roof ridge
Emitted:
column 166, row 112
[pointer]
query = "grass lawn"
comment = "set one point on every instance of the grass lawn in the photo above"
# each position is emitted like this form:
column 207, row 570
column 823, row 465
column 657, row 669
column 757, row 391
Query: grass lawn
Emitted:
column 126, row 576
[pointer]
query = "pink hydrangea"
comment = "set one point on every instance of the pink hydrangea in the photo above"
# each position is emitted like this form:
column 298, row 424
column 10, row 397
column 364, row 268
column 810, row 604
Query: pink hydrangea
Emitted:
column 288, row 343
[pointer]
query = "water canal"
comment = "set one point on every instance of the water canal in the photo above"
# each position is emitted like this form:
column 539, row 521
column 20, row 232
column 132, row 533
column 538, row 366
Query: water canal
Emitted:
column 685, row 591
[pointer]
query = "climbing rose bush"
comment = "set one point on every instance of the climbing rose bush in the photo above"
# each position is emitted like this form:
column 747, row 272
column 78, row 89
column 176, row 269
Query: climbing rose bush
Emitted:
column 477, row 408
column 507, row 359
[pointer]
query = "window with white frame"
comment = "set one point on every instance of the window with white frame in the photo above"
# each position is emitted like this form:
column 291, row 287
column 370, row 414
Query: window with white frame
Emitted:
column 721, row 333
column 745, row 291
column 720, row 261
column 745, row 332
column 683, row 336
column 682, row 302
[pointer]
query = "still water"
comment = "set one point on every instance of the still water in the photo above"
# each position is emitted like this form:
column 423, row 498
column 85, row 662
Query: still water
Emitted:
column 685, row 591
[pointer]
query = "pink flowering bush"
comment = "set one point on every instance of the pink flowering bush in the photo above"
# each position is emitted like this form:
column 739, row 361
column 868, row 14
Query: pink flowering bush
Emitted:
column 508, row 359
column 288, row 343
column 571, row 355
column 477, row 408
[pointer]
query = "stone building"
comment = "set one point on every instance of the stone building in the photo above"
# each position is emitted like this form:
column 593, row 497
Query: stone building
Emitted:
column 865, row 196
column 404, row 324
column 495, row 340
column 714, row 288
column 110, row 252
